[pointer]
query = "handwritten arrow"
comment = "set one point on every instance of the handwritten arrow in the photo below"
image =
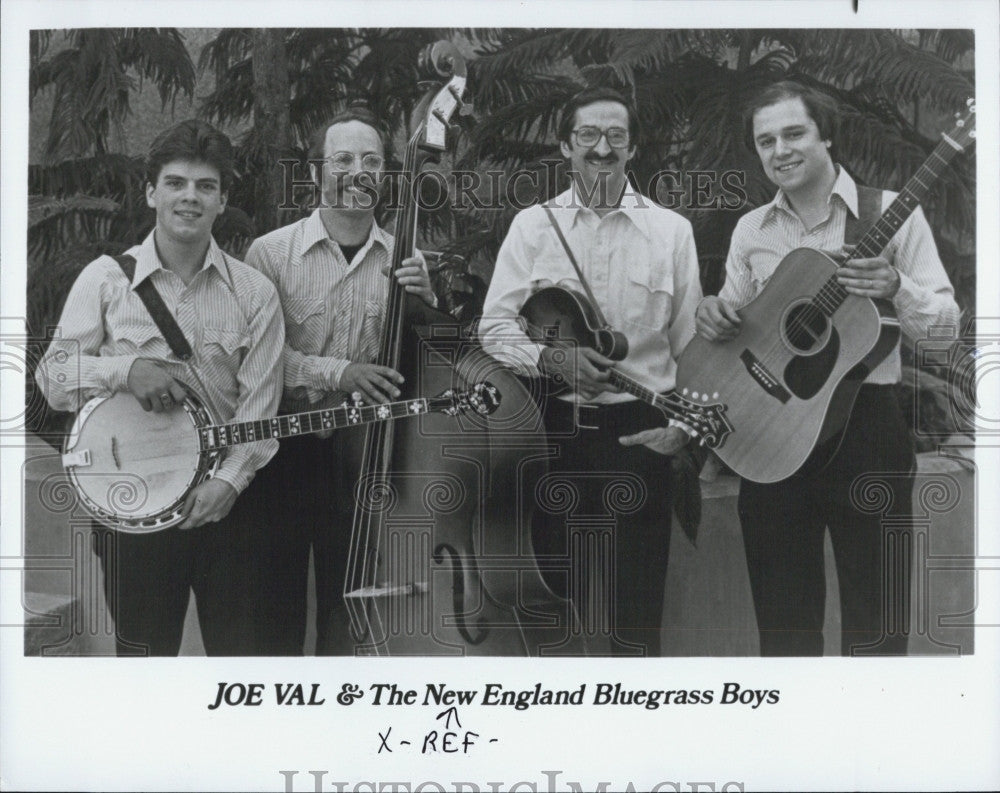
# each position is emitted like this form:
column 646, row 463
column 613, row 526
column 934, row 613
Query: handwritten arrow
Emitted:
column 452, row 711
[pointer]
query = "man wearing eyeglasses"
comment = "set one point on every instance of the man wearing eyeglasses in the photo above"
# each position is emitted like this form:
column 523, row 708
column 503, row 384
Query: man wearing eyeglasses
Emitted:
column 613, row 450
column 331, row 273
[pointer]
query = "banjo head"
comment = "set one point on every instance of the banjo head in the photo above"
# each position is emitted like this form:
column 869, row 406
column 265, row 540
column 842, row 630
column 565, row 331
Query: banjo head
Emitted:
column 133, row 469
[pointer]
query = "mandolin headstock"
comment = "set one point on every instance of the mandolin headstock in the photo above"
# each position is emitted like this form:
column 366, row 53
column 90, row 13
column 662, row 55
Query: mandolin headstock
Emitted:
column 707, row 419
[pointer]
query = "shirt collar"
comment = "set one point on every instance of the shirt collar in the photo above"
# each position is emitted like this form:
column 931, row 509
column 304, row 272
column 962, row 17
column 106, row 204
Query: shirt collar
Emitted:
column 631, row 207
column 843, row 187
column 313, row 232
column 147, row 261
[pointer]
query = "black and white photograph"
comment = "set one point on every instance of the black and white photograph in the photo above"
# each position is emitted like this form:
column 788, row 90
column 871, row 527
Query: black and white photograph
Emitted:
column 500, row 396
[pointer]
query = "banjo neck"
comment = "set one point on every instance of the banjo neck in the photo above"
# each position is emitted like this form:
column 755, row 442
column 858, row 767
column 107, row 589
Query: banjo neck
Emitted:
column 222, row 436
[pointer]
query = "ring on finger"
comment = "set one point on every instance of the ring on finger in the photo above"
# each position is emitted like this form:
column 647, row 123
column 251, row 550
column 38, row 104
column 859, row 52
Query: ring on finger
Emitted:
column 165, row 397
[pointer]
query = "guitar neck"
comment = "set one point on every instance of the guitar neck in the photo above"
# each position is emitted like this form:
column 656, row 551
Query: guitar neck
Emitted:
column 909, row 198
column 832, row 295
column 221, row 436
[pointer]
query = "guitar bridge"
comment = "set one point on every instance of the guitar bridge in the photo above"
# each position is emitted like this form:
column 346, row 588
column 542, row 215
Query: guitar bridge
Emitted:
column 764, row 378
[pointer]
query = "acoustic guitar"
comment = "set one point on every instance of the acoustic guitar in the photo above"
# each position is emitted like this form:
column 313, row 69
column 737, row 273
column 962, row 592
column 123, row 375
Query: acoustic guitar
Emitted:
column 789, row 379
column 133, row 470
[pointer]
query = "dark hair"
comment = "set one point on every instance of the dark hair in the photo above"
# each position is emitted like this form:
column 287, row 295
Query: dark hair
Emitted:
column 821, row 107
column 587, row 97
column 317, row 140
column 195, row 141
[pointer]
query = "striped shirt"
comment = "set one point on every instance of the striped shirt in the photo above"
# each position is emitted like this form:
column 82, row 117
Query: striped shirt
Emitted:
column 763, row 237
column 228, row 313
column 334, row 309
column 641, row 265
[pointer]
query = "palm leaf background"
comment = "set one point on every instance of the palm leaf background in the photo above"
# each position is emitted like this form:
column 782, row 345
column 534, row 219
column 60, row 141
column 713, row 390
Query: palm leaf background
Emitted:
column 897, row 90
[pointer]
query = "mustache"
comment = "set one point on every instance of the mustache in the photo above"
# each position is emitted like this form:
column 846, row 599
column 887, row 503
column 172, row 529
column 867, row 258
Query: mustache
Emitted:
column 611, row 156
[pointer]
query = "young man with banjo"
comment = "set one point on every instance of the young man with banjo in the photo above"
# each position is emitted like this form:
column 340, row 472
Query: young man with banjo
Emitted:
column 792, row 128
column 228, row 325
column 638, row 262
column 330, row 270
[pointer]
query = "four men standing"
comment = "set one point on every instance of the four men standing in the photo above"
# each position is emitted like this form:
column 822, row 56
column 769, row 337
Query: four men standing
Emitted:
column 330, row 273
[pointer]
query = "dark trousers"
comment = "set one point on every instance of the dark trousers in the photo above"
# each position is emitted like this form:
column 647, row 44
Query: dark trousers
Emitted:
column 783, row 527
column 307, row 492
column 149, row 578
column 604, row 508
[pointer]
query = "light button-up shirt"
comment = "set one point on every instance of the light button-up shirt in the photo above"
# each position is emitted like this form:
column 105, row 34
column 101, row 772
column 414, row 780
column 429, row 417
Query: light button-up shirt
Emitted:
column 229, row 314
column 640, row 262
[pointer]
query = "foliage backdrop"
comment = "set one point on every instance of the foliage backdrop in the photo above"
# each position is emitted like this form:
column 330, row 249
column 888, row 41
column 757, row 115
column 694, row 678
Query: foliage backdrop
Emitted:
column 897, row 88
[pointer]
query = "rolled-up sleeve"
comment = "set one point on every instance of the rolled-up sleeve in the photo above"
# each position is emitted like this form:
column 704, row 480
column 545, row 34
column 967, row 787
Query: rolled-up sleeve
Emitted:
column 72, row 371
column 739, row 289
column 501, row 330
column 260, row 381
column 925, row 297
column 687, row 290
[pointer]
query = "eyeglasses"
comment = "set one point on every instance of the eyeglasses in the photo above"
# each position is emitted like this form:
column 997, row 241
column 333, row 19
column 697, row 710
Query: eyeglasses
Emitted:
column 589, row 136
column 343, row 160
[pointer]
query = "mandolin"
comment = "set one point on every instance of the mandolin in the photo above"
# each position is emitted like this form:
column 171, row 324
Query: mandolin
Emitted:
column 557, row 316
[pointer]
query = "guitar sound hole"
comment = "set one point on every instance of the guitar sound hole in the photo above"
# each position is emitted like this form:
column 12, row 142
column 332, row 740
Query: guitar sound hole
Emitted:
column 805, row 327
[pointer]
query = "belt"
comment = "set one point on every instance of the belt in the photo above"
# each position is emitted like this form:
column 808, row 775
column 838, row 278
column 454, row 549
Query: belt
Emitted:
column 592, row 417
column 597, row 417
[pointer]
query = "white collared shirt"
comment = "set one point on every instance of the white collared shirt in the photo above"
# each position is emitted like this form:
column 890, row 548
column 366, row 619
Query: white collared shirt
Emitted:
column 334, row 309
column 228, row 313
column 640, row 263
column 765, row 235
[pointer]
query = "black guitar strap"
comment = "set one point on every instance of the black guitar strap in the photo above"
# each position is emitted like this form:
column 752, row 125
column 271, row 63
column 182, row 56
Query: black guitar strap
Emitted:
column 157, row 310
column 869, row 211
column 579, row 272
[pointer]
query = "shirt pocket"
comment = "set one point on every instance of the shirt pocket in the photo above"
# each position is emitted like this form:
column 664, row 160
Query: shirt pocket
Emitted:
column 551, row 271
column 305, row 323
column 224, row 348
column 647, row 295
column 371, row 330
column 762, row 266
column 143, row 340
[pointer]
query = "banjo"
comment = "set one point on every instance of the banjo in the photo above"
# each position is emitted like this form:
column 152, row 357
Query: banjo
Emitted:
column 132, row 470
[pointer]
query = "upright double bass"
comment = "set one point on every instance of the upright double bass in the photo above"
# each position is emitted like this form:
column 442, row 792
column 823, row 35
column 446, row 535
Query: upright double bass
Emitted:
column 441, row 561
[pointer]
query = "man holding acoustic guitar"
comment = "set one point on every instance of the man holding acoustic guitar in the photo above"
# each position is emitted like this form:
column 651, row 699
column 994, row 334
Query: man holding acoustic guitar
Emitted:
column 230, row 317
column 637, row 260
column 793, row 128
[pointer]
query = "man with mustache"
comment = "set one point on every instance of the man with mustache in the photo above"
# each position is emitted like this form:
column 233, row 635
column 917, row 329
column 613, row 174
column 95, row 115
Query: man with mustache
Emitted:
column 331, row 272
column 613, row 450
